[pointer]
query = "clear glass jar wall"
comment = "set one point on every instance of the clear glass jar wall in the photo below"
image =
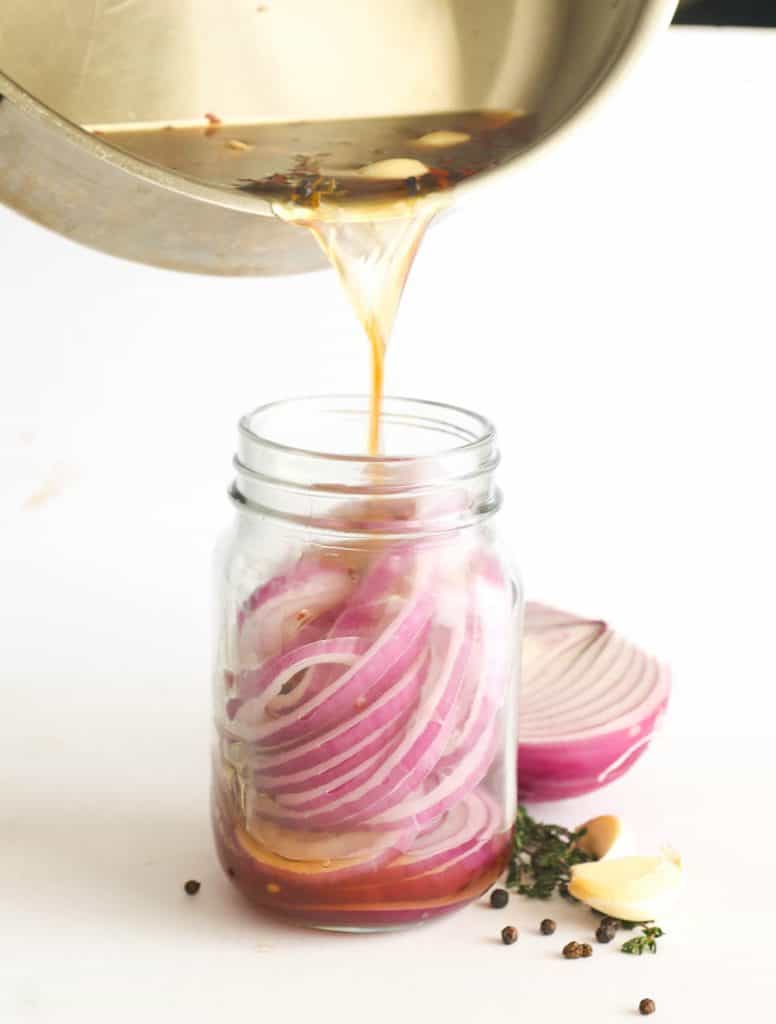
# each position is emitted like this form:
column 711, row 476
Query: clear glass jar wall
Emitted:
column 366, row 670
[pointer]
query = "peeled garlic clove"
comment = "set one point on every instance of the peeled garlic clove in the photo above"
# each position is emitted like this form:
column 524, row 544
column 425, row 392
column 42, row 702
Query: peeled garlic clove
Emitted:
column 394, row 170
column 630, row 888
column 605, row 836
column 443, row 139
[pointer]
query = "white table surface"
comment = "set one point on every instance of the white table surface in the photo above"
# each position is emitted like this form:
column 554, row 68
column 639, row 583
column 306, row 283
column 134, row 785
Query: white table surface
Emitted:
column 617, row 321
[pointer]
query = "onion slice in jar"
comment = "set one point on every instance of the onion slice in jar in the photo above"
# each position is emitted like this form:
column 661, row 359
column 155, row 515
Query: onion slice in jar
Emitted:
column 325, row 871
column 466, row 825
column 272, row 617
column 247, row 712
column 413, row 758
column 344, row 738
column 591, row 704
column 327, row 846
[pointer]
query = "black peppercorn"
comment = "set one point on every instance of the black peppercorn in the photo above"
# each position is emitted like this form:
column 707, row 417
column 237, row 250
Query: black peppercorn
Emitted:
column 605, row 933
column 192, row 887
column 586, row 949
column 646, row 1006
column 509, row 935
column 548, row 926
column 499, row 898
column 572, row 951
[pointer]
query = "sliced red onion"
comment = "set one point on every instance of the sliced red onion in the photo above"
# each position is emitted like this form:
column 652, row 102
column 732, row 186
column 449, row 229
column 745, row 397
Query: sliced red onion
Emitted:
column 392, row 652
column 247, row 713
column 362, row 752
column 330, row 871
column 274, row 614
column 592, row 703
column 465, row 826
column 414, row 757
column 376, row 602
column 391, row 707
column 471, row 769
column 296, row 845
column 274, row 782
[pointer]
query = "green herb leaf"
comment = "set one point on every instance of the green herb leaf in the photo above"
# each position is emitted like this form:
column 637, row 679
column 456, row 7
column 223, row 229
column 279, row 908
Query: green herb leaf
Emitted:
column 542, row 857
column 644, row 943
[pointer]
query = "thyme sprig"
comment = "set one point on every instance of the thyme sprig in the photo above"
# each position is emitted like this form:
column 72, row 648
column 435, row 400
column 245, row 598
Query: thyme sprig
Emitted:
column 542, row 857
column 540, row 864
column 644, row 943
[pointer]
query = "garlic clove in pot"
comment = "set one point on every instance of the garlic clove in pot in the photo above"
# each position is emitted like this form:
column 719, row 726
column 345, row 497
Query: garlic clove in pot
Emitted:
column 605, row 836
column 395, row 169
column 629, row 888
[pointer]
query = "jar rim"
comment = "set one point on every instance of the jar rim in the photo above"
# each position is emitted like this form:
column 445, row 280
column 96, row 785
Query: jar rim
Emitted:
column 480, row 433
column 280, row 472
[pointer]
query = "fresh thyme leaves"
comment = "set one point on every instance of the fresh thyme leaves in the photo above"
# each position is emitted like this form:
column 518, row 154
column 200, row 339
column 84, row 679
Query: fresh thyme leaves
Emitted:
column 542, row 857
column 540, row 864
column 644, row 943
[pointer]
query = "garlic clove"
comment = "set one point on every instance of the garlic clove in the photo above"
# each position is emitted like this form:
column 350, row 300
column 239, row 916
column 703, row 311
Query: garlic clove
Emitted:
column 393, row 170
column 605, row 836
column 443, row 139
column 630, row 888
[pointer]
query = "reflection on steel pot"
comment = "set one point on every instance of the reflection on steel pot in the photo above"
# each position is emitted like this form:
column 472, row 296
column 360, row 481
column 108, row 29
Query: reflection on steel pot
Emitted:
column 149, row 64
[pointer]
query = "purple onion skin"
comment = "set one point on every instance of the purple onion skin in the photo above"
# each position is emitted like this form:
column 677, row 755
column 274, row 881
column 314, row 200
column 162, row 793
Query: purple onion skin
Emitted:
column 557, row 771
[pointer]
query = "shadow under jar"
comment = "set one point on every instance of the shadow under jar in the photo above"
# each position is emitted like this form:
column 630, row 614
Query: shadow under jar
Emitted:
column 366, row 671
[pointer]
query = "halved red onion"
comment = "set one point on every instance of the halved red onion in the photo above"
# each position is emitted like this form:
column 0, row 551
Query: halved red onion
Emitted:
column 592, row 703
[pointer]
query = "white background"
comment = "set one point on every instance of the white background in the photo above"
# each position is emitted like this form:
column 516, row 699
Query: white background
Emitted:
column 613, row 311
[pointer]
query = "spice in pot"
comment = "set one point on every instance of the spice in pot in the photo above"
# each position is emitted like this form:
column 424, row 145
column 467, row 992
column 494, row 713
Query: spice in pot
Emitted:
column 646, row 1007
column 192, row 887
column 499, row 898
column 509, row 935
column 548, row 926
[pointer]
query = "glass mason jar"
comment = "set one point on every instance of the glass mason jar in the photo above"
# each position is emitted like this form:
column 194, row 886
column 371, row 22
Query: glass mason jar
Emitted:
column 366, row 670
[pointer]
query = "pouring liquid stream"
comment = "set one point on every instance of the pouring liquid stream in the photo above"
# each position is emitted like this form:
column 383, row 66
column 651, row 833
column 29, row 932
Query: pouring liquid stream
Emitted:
column 373, row 260
column 367, row 189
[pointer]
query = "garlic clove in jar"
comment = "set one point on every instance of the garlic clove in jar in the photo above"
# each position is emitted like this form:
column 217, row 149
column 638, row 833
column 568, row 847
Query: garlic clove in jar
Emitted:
column 605, row 836
column 629, row 888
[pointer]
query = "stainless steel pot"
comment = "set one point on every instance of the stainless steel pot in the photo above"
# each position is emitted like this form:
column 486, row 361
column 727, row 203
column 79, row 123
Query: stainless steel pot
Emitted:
column 67, row 65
